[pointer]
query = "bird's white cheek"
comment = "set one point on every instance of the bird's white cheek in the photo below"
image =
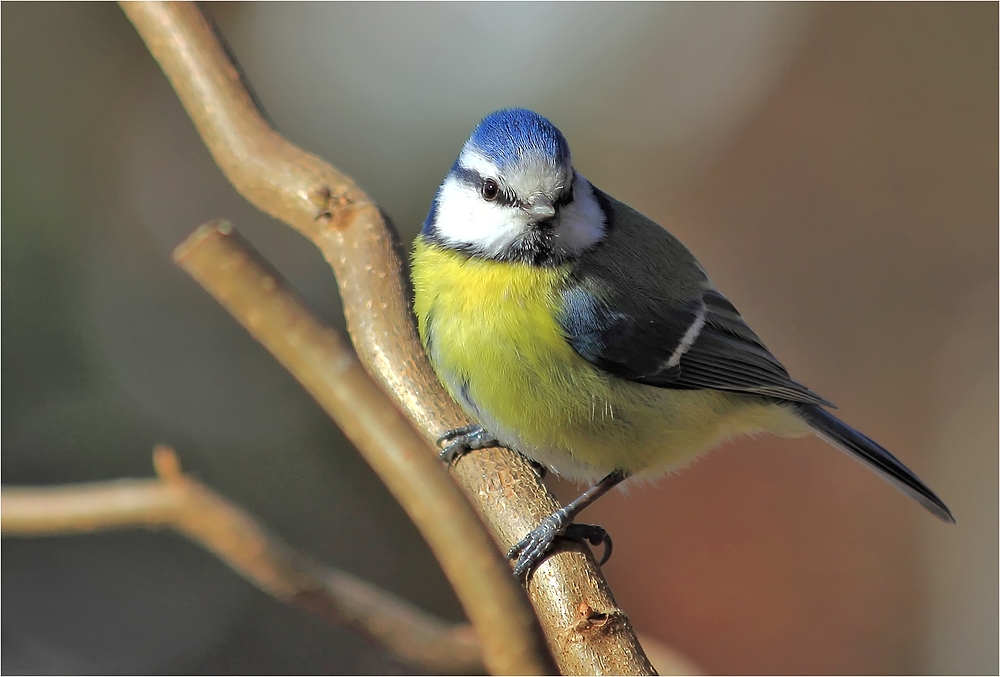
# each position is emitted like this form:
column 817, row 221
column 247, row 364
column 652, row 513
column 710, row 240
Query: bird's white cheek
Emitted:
column 465, row 219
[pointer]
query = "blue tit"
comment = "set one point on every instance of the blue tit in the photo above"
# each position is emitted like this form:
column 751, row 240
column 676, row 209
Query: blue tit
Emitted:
column 583, row 335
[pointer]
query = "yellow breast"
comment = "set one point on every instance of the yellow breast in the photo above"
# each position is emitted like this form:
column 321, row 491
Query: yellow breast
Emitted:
column 492, row 333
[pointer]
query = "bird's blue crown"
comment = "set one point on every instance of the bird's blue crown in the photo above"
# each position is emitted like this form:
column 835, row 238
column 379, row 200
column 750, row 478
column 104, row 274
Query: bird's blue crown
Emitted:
column 506, row 136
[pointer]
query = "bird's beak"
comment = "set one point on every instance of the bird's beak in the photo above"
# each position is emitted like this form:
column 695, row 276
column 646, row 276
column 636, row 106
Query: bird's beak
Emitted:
column 542, row 208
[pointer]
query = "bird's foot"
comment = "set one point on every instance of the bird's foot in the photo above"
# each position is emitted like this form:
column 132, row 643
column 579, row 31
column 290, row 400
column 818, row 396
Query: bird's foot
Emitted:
column 460, row 441
column 532, row 548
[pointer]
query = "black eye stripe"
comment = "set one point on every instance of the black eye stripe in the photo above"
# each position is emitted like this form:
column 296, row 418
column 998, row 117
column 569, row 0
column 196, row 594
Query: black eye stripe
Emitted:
column 469, row 177
column 472, row 178
column 505, row 196
column 566, row 197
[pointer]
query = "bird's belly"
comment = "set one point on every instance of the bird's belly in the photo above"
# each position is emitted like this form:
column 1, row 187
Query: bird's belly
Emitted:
column 492, row 336
column 584, row 423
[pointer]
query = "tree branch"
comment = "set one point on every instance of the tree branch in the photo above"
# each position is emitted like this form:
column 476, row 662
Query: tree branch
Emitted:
column 587, row 632
column 183, row 504
column 228, row 268
column 179, row 502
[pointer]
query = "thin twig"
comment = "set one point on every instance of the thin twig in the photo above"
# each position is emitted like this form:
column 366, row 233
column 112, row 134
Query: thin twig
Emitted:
column 587, row 632
column 219, row 259
column 179, row 502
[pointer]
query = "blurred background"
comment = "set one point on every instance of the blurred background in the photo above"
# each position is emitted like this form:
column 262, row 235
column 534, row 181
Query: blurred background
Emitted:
column 833, row 166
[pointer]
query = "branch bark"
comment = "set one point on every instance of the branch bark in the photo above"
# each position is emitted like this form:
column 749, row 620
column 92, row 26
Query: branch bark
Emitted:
column 587, row 632
column 179, row 502
column 228, row 268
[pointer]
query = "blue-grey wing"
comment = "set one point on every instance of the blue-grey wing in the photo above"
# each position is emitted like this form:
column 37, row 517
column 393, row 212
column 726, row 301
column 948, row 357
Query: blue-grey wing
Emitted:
column 703, row 343
column 641, row 307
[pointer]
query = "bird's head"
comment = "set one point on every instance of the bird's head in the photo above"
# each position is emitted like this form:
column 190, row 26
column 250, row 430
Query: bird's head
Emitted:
column 513, row 195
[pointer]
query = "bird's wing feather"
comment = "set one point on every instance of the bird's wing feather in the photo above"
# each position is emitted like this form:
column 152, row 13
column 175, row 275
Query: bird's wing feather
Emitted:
column 649, row 314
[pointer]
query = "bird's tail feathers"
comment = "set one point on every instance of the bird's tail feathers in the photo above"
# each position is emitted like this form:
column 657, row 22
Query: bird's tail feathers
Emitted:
column 871, row 453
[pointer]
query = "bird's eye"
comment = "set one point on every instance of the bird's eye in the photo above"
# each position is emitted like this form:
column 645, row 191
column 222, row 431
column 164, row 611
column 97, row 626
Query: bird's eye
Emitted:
column 490, row 189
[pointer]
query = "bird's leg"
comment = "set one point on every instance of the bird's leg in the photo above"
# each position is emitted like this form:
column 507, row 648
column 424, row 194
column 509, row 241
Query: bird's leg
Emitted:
column 460, row 441
column 532, row 548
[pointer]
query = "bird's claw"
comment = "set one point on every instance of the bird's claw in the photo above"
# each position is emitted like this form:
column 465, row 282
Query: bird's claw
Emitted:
column 460, row 441
column 593, row 534
column 531, row 549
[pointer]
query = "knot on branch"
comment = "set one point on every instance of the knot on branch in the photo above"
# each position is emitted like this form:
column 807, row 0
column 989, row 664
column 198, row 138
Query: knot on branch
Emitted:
column 166, row 464
column 332, row 207
column 593, row 621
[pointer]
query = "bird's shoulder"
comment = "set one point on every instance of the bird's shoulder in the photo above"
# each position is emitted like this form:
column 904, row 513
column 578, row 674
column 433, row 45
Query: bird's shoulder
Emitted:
column 642, row 251
column 640, row 306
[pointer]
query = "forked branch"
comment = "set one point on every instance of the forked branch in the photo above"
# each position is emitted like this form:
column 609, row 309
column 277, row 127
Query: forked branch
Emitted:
column 587, row 632
column 178, row 502
column 181, row 503
column 228, row 268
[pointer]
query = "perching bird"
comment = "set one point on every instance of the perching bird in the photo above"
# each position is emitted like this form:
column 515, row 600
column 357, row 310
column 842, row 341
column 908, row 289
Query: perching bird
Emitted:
column 583, row 335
